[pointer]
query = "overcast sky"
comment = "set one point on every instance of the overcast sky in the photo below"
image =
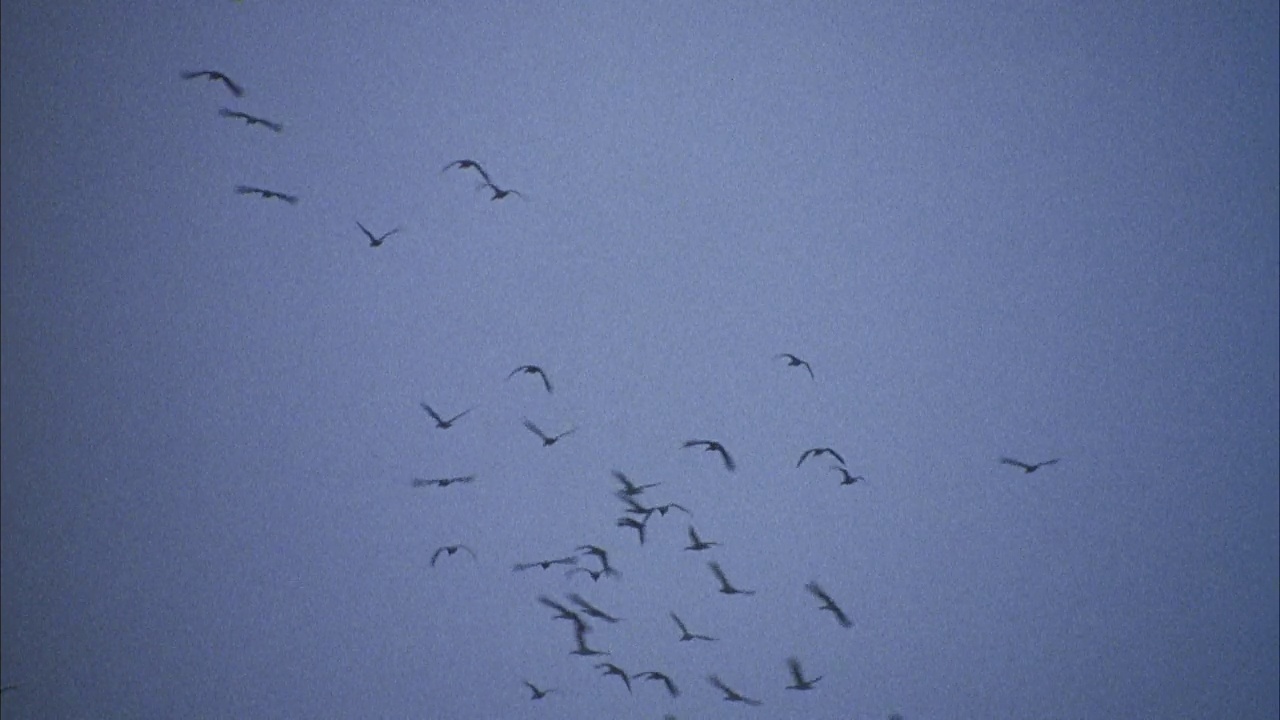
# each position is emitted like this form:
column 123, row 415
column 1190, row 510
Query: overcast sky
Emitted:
column 1037, row 230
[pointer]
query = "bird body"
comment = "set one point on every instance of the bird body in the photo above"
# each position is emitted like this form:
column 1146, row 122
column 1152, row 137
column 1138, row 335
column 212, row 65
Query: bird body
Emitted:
column 376, row 241
column 630, row 489
column 793, row 361
column 251, row 119
column 815, row 452
column 634, row 524
column 267, row 194
column 449, row 550
column 1028, row 467
column 731, row 695
column 713, row 446
column 499, row 193
column 547, row 440
column 215, row 76
column 537, row 693
column 546, row 564
column 442, row 423
column 846, row 477
column 685, row 635
column 465, row 164
column 533, row 370
column 443, row 482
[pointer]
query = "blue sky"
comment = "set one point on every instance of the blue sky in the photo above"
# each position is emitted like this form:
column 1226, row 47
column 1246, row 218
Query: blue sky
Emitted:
column 1036, row 230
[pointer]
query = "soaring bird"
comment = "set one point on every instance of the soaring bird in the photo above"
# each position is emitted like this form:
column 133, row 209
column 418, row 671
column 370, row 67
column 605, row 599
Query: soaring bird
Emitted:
column 546, row 564
column 725, row 586
column 731, row 695
column 251, row 119
column 537, row 693
column 815, row 452
column 595, row 574
column 846, row 478
column 611, row 669
column 828, row 603
column 591, row 610
column 547, row 440
column 663, row 509
column 443, row 482
column 580, row 630
column 266, row 194
column 499, row 193
column 685, row 635
column 464, row 164
column 562, row 612
column 216, row 76
column 376, row 240
column 441, row 422
column 655, row 675
column 634, row 507
column 532, row 370
column 793, row 361
column 629, row 488
column 713, row 446
column 450, row 550
column 798, row 676
column 697, row 543
column 603, row 556
column 634, row 524
column 1026, row 467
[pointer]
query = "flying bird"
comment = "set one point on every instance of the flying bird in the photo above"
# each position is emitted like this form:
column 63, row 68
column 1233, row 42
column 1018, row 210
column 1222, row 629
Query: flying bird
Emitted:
column 600, row 553
column 441, row 422
column 713, row 446
column 595, row 574
column 634, row 524
column 846, row 478
column 377, row 240
column 697, row 543
column 685, row 635
column 443, row 482
column 499, row 193
column 793, row 361
column 251, row 119
column 591, row 610
column 267, row 194
column 546, row 564
column 725, row 586
column 537, row 693
column 532, row 370
column 1026, row 467
column 797, row 675
column 629, row 488
column 829, row 604
column 450, row 550
column 655, row 675
column 464, row 164
column 636, row 508
column 562, row 612
column 214, row 75
column 731, row 695
column 815, row 452
column 663, row 509
column 580, row 630
column 611, row 669
column 547, row 440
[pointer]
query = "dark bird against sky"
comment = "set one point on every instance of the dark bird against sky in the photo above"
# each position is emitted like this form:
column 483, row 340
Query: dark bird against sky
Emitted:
column 449, row 550
column 443, row 482
column 713, row 446
column 216, row 76
column 685, row 635
column 442, row 423
column 465, row 164
column 251, row 119
column 731, row 695
column 1027, row 467
column 793, row 361
column 532, row 370
column 376, row 240
column 829, row 604
column 797, row 676
column 725, row 586
column 815, row 452
column 266, row 194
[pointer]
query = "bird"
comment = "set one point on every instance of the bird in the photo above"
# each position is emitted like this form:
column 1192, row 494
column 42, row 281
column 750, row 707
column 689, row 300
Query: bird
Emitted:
column 547, row 440
column 251, row 119
column 580, row 630
column 376, row 240
column 731, row 695
column 450, row 550
column 1027, row 467
column 713, row 446
column 441, row 422
column 267, row 194
column 793, row 361
column 815, row 452
column 662, row 509
column 725, row 586
column 655, row 675
column 685, row 635
column 595, row 574
column 828, row 603
column 798, row 676
column 562, row 612
column 443, row 482
column 532, row 370
column 591, row 610
column 216, row 76
column 538, row 694
column 697, row 543
column 499, row 193
column 634, row 524
column 464, row 164
column 847, row 479
column 546, row 564
column 611, row 669
column 603, row 556
column 636, row 508
column 629, row 488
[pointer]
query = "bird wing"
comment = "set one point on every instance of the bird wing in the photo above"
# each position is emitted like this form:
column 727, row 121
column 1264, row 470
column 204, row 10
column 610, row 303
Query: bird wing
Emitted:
column 1016, row 463
column 534, row 429
column 694, row 443
column 809, row 368
column 794, row 665
column 234, row 88
column 728, row 461
column 715, row 570
column 470, row 552
column 836, row 455
column 817, row 590
column 423, row 482
column 1050, row 462
column 224, row 112
column 249, row 190
column 803, row 456
column 693, row 537
column 464, row 412
column 546, row 382
column 423, row 405
column 840, row 616
column 435, row 555
column 680, row 624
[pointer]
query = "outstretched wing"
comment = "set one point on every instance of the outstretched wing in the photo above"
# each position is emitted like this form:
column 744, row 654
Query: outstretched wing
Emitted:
column 728, row 461
column 1015, row 463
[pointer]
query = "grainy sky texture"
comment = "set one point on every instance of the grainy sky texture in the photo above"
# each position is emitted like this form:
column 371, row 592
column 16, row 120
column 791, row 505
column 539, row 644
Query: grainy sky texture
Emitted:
column 1038, row 230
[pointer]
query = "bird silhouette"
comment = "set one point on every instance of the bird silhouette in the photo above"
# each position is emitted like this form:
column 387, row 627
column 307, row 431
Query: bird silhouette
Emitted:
column 634, row 524
column 685, row 635
column 443, row 482
column 442, row 423
column 580, row 630
column 376, row 240
column 666, row 680
column 595, row 574
column 1030, row 468
column 664, row 509
column 797, row 675
column 591, row 610
column 499, row 193
column 532, row 370
column 538, row 694
column 547, row 440
column 793, row 361
column 629, row 488
column 635, row 507
column 562, row 612
column 846, row 478
column 697, row 543
column 815, row 452
column 611, row 669
column 828, row 603
column 214, row 75
column 251, row 119
column 450, row 550
column 603, row 556
column 713, row 446
column 546, row 564
column 266, row 194
column 725, row 586
column 464, row 164
column 731, row 695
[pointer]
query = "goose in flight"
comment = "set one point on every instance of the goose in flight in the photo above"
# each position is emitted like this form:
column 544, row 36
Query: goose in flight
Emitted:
column 547, row 440
column 685, row 635
column 797, row 676
column 532, row 370
column 538, row 694
column 611, row 669
column 846, row 478
column 216, row 76
column 376, row 240
column 815, row 452
column 731, row 695
column 828, row 604
column 725, row 586
column 591, row 610
column 629, row 488
column 793, row 361
column 603, row 556
column 713, row 446
column 499, row 193
column 663, row 509
column 266, row 194
column 442, row 423
column 562, row 612
column 546, row 564
column 595, row 574
column 697, row 543
column 1030, row 468
column 580, row 630
column 634, row 524
column 449, row 550
column 251, row 119
column 464, row 164
column 443, row 482
column 672, row 690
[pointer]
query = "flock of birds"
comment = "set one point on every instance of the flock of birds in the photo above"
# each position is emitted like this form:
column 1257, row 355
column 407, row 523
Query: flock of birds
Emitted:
column 635, row 514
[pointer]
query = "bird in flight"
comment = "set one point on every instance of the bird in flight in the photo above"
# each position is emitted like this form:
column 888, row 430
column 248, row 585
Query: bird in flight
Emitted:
column 251, row 119
column 797, row 675
column 685, row 635
column 450, row 550
column 499, row 193
column 532, row 370
column 663, row 509
column 634, row 524
column 376, row 240
column 630, row 489
column 443, row 482
column 591, row 610
column 731, row 695
column 595, row 574
column 725, row 586
column 713, row 446
column 793, row 361
column 815, row 452
column 580, row 630
column 464, row 164
column 846, row 478
column 697, row 543
column 611, row 669
column 216, row 76
column 546, row 564
column 829, row 604
column 655, row 675
column 1028, row 467
column 603, row 556
column 538, row 694
column 442, row 423
column 267, row 194
column 563, row 613
column 547, row 440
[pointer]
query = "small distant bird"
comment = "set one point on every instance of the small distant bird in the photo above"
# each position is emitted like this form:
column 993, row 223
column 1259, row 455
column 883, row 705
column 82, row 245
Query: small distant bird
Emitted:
column 797, row 675
column 1027, row 467
column 663, row 509
column 450, row 550
column 655, row 675
column 547, row 440
column 815, row 452
column 634, row 524
column 441, row 422
column 215, row 76
column 595, row 574
column 713, row 446
column 443, row 482
column 376, row 240
column 537, row 693
column 499, row 193
column 685, row 635
column 793, row 361
column 697, row 543
column 251, row 119
column 629, row 488
column 611, row 669
column 532, row 370
column 725, row 586
column 562, row 612
column 828, row 603
column 546, row 564
column 591, row 610
column 464, row 164
column 636, row 508
column 603, row 556
column 266, row 194
column 580, row 630
column 731, row 695
column 846, row 478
